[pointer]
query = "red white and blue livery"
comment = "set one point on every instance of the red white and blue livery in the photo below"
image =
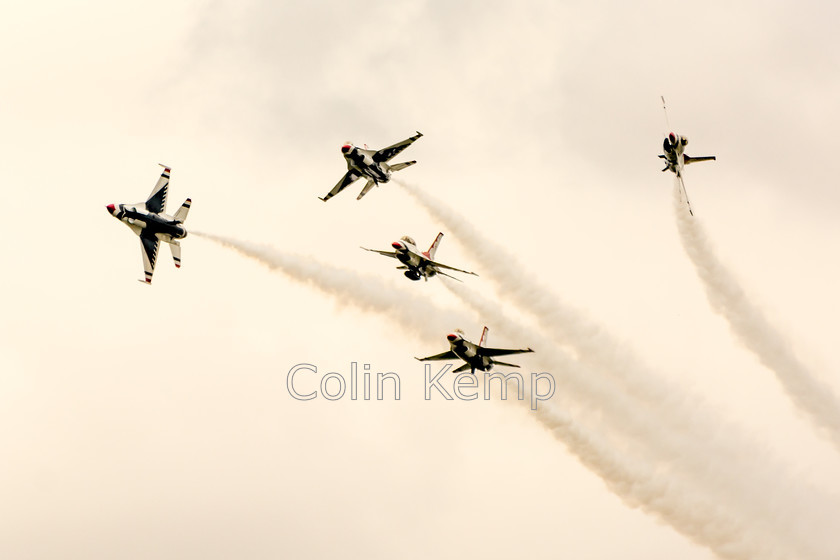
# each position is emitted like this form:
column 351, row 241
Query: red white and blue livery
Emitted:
column 476, row 356
column 416, row 263
column 675, row 157
column 371, row 164
column 152, row 224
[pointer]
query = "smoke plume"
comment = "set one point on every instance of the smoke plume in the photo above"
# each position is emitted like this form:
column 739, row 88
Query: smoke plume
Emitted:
column 733, row 462
column 636, row 482
column 751, row 328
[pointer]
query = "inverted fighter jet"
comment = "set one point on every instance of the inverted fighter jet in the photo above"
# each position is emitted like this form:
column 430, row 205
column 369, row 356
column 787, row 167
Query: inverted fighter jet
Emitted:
column 150, row 221
column 477, row 357
column 370, row 164
column 418, row 264
column 675, row 157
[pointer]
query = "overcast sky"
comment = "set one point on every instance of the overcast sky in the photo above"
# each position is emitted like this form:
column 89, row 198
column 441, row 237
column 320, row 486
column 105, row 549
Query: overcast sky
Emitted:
column 142, row 421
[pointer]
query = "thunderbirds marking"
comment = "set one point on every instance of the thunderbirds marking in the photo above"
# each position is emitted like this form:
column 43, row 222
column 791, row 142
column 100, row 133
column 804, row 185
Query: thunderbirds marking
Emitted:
column 150, row 221
column 418, row 264
column 476, row 356
column 371, row 164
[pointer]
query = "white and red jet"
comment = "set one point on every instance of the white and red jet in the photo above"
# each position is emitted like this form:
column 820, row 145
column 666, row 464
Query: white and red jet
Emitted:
column 675, row 157
column 150, row 221
column 416, row 263
column 371, row 164
column 476, row 356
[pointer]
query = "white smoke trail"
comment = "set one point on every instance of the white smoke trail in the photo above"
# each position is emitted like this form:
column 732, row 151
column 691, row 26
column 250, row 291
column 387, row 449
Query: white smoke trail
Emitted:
column 368, row 293
column 719, row 447
column 696, row 516
column 752, row 329
column 568, row 325
column 688, row 462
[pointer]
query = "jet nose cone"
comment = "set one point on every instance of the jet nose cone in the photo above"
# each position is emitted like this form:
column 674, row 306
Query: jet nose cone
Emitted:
column 452, row 337
column 345, row 148
column 397, row 245
column 111, row 208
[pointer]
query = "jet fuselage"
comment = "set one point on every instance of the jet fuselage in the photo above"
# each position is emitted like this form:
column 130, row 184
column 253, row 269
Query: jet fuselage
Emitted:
column 468, row 352
column 674, row 148
column 361, row 161
column 419, row 264
column 163, row 226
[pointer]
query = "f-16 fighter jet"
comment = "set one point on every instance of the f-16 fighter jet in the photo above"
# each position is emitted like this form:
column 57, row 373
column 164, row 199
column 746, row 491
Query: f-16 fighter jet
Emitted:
column 150, row 221
column 675, row 157
column 477, row 357
column 418, row 264
column 370, row 164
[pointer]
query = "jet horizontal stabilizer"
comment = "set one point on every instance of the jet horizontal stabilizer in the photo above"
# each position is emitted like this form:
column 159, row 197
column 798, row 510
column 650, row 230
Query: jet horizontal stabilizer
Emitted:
column 398, row 166
column 176, row 253
column 369, row 185
column 495, row 363
column 181, row 214
column 464, row 368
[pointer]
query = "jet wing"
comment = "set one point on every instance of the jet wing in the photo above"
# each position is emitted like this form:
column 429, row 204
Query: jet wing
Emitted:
column 150, row 245
column 689, row 159
column 441, row 273
column 386, row 154
column 157, row 200
column 391, row 254
column 348, row 178
column 501, row 351
column 448, row 355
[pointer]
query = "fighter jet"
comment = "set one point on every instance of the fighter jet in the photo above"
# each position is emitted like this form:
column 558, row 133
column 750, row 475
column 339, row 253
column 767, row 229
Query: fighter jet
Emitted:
column 675, row 157
column 477, row 357
column 150, row 221
column 370, row 164
column 418, row 264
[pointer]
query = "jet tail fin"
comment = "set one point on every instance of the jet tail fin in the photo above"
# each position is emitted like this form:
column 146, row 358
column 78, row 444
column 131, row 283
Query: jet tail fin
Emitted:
column 398, row 166
column 175, row 247
column 483, row 341
column 433, row 249
column 181, row 214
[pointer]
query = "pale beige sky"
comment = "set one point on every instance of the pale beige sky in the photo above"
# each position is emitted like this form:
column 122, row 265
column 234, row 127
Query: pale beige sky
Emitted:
column 142, row 422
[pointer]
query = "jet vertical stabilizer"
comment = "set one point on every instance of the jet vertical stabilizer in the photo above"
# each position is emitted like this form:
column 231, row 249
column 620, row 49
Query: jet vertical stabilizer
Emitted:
column 483, row 341
column 433, row 249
